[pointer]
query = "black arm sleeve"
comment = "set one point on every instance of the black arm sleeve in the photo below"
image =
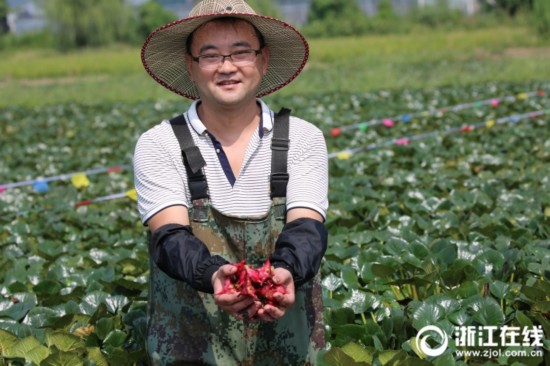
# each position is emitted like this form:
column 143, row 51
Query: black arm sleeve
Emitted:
column 300, row 248
column 182, row 256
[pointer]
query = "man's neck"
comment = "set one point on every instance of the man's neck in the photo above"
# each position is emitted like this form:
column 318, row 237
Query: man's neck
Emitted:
column 229, row 123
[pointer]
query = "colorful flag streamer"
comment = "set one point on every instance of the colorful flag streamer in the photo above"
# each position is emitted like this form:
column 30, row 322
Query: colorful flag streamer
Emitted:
column 40, row 186
column 80, row 180
column 132, row 194
column 390, row 121
column 39, row 182
column 464, row 129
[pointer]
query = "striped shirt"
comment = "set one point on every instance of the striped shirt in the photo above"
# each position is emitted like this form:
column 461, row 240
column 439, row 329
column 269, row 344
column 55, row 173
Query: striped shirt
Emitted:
column 161, row 179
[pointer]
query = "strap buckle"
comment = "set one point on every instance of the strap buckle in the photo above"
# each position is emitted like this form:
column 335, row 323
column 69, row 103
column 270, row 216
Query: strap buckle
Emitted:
column 279, row 144
column 279, row 177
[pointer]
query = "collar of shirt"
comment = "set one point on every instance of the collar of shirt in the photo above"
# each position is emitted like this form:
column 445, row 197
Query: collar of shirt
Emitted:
column 266, row 120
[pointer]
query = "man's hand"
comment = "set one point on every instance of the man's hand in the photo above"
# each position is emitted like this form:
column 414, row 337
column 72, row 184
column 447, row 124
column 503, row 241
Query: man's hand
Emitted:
column 269, row 312
column 240, row 306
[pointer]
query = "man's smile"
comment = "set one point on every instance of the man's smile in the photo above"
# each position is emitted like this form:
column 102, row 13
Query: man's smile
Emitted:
column 228, row 82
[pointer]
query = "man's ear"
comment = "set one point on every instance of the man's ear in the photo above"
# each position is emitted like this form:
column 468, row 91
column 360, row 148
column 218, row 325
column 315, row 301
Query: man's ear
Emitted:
column 265, row 59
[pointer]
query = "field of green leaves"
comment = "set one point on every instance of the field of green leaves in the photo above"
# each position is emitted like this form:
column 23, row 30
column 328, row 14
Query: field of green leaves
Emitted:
column 439, row 215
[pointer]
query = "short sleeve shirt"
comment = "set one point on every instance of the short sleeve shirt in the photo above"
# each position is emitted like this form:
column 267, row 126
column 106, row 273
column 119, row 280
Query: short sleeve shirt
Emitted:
column 161, row 179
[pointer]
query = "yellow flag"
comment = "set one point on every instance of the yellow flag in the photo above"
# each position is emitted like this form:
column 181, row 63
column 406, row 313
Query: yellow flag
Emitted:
column 80, row 180
column 343, row 155
column 523, row 96
column 132, row 194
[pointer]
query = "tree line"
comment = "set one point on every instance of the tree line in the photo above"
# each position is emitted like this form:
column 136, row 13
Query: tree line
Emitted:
column 85, row 23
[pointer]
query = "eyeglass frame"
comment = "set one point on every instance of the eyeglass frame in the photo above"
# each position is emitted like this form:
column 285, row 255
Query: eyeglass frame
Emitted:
column 223, row 57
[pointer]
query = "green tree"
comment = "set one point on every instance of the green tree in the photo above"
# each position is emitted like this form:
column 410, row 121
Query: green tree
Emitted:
column 385, row 11
column 150, row 16
column 385, row 20
column 325, row 9
column 438, row 14
column 264, row 7
column 83, row 23
column 541, row 11
column 335, row 18
column 509, row 7
column 4, row 28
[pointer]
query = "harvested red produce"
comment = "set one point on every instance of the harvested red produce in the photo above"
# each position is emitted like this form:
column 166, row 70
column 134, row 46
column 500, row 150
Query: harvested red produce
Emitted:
column 254, row 282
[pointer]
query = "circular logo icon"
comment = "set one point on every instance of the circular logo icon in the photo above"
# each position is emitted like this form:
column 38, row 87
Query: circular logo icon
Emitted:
column 422, row 341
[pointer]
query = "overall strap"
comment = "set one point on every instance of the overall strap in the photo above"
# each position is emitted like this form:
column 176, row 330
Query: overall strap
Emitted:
column 192, row 158
column 279, row 154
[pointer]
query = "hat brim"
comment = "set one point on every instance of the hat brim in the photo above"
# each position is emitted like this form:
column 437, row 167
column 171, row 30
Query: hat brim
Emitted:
column 163, row 53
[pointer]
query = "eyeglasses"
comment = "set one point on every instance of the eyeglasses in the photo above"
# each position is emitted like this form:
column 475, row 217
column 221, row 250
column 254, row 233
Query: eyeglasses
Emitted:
column 239, row 58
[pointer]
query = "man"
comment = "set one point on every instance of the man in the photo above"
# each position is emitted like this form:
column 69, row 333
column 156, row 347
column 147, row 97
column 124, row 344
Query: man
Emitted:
column 229, row 180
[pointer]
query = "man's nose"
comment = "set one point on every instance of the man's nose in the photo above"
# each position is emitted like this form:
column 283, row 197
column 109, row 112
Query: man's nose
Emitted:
column 226, row 63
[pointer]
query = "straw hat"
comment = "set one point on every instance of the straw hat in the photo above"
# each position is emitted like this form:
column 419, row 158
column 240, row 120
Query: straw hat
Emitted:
column 163, row 53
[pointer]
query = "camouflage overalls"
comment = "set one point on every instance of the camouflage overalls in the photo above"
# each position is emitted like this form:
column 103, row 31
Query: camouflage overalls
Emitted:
column 185, row 326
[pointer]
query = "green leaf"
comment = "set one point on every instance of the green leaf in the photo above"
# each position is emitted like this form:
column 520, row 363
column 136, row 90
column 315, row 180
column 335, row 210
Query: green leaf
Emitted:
column 64, row 342
column 382, row 270
column 95, row 355
column 487, row 312
column 18, row 305
column 60, row 358
column 492, row 261
column 447, row 303
column 337, row 357
column 332, row 282
column 427, row 314
column 419, row 250
column 460, row 318
column 446, row 359
column 130, row 266
column 103, row 327
column 17, row 287
column 533, row 293
column 356, row 301
column 116, row 303
column 349, row 277
column 47, row 287
column 91, row 302
column 40, row 317
column 116, row 355
column 358, row 353
column 16, row 328
column 361, row 237
column 542, row 307
column 499, row 289
column 115, row 338
column 7, row 340
column 523, row 320
column 349, row 333
column 28, row 348
column 431, row 204
column 459, row 272
column 444, row 252
column 392, row 357
column 395, row 246
column 340, row 316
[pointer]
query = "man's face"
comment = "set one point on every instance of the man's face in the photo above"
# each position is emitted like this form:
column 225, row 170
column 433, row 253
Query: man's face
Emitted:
column 227, row 84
